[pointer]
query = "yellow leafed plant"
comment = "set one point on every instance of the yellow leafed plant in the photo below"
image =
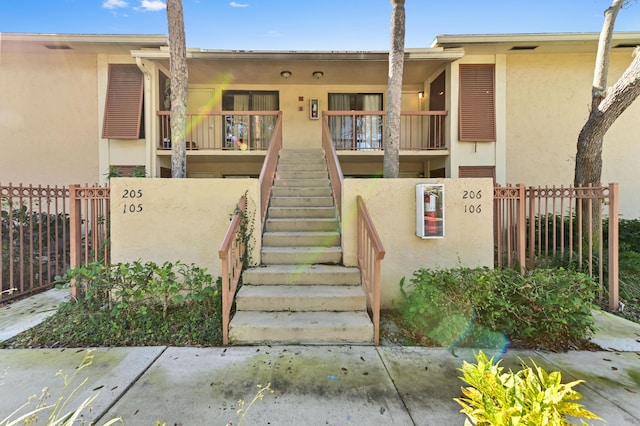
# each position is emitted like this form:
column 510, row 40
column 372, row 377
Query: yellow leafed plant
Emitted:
column 529, row 397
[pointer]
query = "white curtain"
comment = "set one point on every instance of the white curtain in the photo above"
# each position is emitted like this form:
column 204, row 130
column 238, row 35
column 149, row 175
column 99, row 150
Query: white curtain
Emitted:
column 341, row 127
column 371, row 123
column 262, row 126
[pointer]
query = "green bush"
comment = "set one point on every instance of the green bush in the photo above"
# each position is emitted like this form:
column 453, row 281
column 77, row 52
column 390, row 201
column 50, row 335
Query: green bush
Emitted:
column 477, row 307
column 136, row 303
column 530, row 397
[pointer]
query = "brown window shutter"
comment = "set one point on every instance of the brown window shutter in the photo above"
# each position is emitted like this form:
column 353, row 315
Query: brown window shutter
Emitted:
column 477, row 117
column 477, row 172
column 123, row 107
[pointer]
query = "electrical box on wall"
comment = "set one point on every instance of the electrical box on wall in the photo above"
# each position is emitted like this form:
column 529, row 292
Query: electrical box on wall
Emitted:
column 430, row 210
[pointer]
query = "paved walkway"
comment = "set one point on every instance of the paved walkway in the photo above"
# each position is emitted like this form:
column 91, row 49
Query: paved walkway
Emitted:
column 313, row 385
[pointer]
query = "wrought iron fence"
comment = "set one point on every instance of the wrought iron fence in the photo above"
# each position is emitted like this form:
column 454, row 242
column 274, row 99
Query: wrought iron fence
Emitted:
column 34, row 236
column 559, row 226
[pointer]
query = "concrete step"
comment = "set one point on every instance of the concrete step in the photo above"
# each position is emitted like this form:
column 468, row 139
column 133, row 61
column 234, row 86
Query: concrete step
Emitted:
column 300, row 191
column 300, row 239
column 292, row 166
column 301, row 201
column 293, row 153
column 301, row 255
column 301, row 182
column 301, row 224
column 301, row 275
column 301, row 174
column 301, row 328
column 271, row 298
column 300, row 212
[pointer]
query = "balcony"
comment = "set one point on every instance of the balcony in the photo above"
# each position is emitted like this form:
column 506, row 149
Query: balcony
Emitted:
column 223, row 131
column 350, row 131
column 365, row 130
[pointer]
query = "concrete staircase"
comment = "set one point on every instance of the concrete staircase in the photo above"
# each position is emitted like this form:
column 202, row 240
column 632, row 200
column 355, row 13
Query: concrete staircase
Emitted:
column 301, row 294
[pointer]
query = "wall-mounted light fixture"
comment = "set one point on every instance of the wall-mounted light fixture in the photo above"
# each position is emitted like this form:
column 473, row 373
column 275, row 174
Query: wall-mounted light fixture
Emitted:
column 317, row 74
column 420, row 95
column 285, row 74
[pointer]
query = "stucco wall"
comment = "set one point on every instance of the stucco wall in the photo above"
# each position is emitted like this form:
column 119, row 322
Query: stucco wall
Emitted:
column 468, row 239
column 186, row 219
column 181, row 219
column 548, row 98
column 48, row 118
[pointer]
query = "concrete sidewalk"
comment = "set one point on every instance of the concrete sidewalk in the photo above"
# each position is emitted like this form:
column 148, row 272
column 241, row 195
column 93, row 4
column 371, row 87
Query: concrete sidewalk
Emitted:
column 313, row 385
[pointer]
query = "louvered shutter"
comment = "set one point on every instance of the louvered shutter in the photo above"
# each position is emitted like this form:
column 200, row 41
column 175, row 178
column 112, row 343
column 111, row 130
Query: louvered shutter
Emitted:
column 477, row 118
column 477, row 172
column 123, row 107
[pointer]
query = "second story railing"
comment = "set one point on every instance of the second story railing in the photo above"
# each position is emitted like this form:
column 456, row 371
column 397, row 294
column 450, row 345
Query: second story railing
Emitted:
column 365, row 130
column 223, row 130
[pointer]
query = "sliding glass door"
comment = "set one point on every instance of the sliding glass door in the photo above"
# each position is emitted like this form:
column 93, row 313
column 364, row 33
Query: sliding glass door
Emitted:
column 249, row 131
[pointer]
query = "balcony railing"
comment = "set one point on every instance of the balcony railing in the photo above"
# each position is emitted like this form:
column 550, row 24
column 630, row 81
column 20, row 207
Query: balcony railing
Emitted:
column 349, row 130
column 223, row 130
column 365, row 130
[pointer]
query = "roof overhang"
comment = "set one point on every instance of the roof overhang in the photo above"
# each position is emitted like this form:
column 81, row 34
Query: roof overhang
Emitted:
column 79, row 43
column 543, row 43
column 338, row 67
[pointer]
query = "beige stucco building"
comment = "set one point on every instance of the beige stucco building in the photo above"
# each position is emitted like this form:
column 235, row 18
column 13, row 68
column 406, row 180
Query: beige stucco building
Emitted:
column 535, row 95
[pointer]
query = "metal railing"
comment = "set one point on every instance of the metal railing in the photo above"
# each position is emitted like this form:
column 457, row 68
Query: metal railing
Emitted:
column 545, row 226
column 370, row 254
column 34, row 237
column 365, row 130
column 231, row 253
column 333, row 166
column 268, row 171
column 90, row 225
column 223, row 130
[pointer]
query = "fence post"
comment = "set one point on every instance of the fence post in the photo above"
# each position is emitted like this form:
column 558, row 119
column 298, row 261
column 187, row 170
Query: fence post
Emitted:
column 75, row 232
column 614, row 301
column 522, row 227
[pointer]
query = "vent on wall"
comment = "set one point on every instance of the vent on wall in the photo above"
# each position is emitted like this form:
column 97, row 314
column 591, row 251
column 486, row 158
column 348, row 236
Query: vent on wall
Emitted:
column 523, row 47
column 57, row 46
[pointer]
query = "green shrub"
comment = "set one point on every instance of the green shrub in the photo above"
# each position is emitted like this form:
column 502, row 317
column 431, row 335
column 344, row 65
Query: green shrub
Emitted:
column 476, row 307
column 529, row 397
column 134, row 303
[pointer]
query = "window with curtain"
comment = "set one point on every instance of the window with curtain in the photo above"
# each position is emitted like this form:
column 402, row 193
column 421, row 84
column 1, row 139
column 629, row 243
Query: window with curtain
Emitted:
column 252, row 130
column 357, row 131
column 477, row 121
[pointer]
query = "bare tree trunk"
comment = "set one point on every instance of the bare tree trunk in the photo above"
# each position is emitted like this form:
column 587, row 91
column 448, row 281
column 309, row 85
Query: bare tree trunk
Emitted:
column 179, row 86
column 590, row 140
column 589, row 151
column 391, row 167
column 606, row 107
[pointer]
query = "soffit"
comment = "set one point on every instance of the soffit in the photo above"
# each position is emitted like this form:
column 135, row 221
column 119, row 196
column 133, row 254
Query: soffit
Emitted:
column 339, row 68
column 544, row 43
column 78, row 43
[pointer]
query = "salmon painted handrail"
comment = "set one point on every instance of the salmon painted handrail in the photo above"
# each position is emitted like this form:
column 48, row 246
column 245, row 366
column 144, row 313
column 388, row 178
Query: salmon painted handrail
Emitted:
column 333, row 165
column 370, row 254
column 268, row 172
column 231, row 254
